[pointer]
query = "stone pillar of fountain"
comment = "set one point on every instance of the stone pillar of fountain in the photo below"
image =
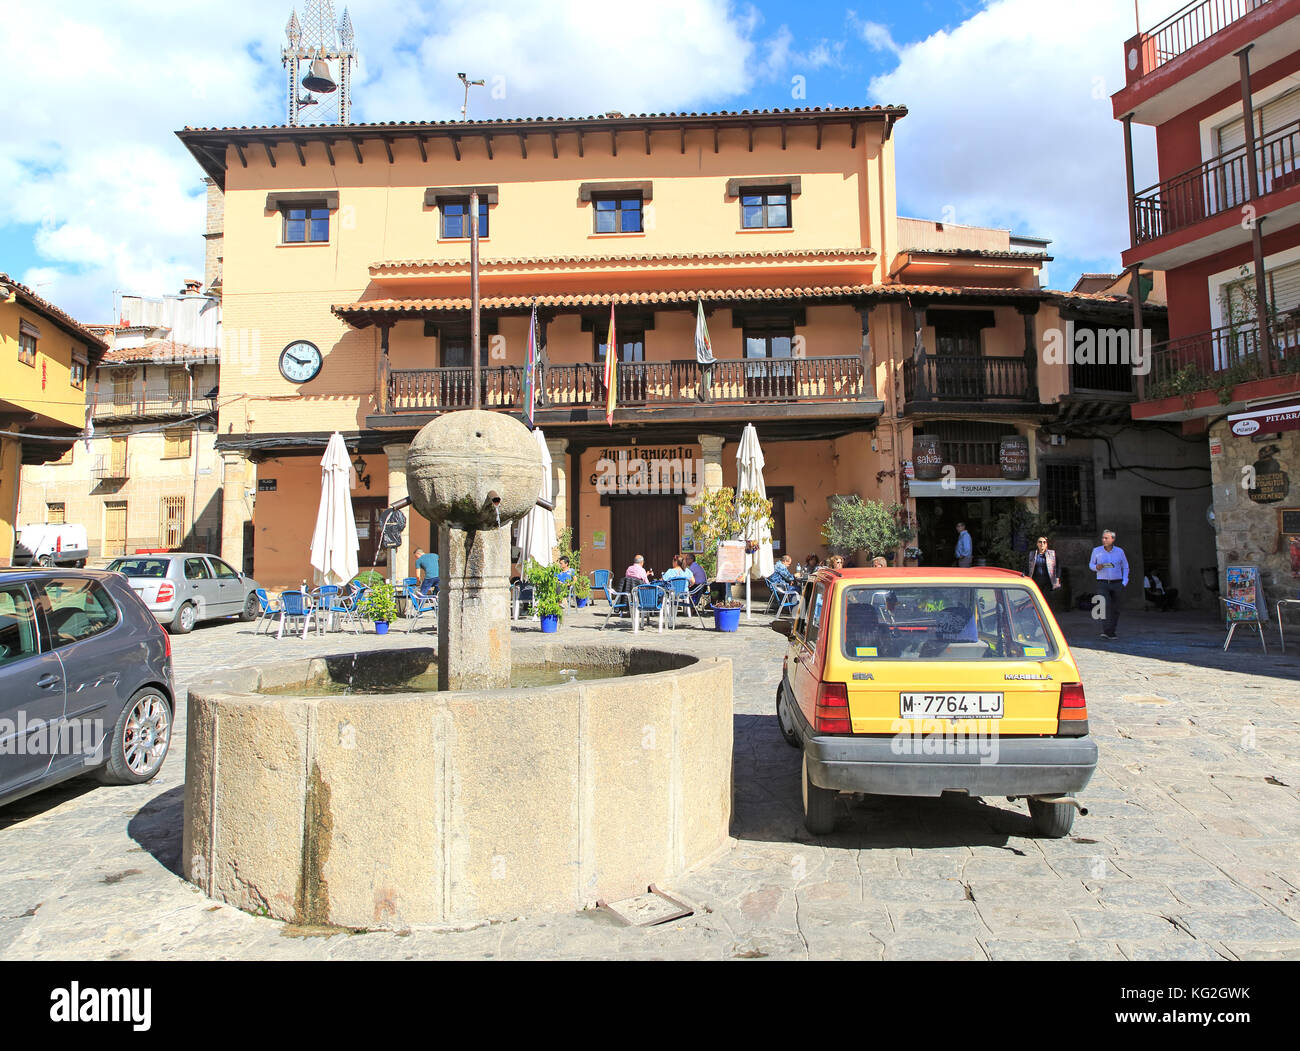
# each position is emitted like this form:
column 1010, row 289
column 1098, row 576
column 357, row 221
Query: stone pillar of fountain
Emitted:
column 472, row 473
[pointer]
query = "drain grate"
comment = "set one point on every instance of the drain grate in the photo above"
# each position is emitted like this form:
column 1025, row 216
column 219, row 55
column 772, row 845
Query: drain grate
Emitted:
column 647, row 910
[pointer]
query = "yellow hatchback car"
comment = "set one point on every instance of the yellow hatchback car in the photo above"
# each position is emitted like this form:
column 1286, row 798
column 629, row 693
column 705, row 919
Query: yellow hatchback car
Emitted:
column 916, row 682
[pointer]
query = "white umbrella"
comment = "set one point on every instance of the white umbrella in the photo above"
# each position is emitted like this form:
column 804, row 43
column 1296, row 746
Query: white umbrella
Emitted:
column 334, row 544
column 537, row 528
column 749, row 478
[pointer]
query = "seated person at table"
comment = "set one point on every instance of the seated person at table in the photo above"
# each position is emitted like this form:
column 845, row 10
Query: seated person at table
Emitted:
column 426, row 569
column 1154, row 590
column 696, row 570
column 781, row 574
column 811, row 563
column 566, row 573
column 636, row 570
column 677, row 571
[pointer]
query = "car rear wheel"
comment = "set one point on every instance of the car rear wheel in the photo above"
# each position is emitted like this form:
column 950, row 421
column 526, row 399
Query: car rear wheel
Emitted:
column 251, row 609
column 1052, row 820
column 45, row 560
column 139, row 741
column 818, row 805
column 185, row 620
column 783, row 724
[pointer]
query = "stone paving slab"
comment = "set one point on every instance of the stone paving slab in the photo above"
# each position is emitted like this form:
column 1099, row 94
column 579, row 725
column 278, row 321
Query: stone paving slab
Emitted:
column 1189, row 851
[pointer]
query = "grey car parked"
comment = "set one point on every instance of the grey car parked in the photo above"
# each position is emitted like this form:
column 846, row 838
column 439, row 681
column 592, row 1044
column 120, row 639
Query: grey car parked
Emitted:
column 85, row 681
column 182, row 588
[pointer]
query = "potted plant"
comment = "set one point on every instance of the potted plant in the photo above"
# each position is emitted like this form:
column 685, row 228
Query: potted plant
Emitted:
column 912, row 556
column 726, row 614
column 545, row 581
column 582, row 589
column 380, row 606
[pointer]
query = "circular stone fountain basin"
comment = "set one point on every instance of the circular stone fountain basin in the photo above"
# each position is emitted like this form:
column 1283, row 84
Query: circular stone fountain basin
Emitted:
column 392, row 810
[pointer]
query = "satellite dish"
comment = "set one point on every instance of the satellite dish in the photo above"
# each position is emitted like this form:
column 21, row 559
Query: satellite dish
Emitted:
column 318, row 78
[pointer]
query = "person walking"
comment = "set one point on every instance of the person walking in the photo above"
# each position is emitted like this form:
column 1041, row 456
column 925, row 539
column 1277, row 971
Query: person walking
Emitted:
column 1111, row 566
column 1041, row 568
column 964, row 546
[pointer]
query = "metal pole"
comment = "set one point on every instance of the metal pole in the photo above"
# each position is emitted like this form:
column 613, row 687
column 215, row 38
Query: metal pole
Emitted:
column 1128, row 172
column 473, row 295
column 1257, row 235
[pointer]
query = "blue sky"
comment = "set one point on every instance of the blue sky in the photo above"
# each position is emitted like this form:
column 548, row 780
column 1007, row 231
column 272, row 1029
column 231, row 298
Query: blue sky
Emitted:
column 1009, row 121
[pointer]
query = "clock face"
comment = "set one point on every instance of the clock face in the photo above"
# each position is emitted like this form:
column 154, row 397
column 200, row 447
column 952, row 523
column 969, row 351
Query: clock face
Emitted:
column 300, row 362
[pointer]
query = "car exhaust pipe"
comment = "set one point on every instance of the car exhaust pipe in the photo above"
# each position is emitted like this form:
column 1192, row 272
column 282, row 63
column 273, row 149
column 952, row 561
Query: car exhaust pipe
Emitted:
column 1083, row 810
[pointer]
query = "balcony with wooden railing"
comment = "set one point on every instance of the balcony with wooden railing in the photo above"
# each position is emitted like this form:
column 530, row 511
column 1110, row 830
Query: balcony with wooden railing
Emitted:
column 1223, row 357
column 1183, row 30
column 949, row 378
column 139, row 401
column 1218, row 185
column 639, row 384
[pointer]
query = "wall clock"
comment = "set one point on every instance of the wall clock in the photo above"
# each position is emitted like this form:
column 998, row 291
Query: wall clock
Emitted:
column 300, row 361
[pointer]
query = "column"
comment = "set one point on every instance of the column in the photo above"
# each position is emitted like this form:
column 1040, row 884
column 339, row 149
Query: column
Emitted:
column 711, row 453
column 559, row 450
column 399, row 565
column 236, row 507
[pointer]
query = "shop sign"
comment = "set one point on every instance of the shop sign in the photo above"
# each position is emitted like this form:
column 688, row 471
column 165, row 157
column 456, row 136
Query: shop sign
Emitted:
column 1271, row 481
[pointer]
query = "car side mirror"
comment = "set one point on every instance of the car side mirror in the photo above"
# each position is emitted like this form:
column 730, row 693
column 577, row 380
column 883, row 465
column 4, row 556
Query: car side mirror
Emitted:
column 783, row 627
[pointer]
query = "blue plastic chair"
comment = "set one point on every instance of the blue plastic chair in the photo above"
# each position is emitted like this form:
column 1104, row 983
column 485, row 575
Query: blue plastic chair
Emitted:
column 420, row 601
column 295, row 605
column 335, row 601
column 599, row 579
column 650, row 602
column 685, row 598
column 268, row 609
column 784, row 601
column 619, row 602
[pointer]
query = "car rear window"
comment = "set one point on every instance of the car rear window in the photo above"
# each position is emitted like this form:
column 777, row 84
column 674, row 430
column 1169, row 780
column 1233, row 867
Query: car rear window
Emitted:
column 943, row 622
column 140, row 567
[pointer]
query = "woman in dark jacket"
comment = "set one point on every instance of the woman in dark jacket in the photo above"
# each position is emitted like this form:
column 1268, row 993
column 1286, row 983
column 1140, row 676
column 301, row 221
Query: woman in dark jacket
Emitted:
column 1041, row 568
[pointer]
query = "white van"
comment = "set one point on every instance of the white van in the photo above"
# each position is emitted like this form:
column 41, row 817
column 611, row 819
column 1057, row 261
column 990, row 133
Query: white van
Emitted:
column 51, row 545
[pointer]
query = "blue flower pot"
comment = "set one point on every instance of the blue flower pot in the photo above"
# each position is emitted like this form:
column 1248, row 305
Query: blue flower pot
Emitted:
column 550, row 623
column 381, row 627
column 726, row 619
column 582, row 602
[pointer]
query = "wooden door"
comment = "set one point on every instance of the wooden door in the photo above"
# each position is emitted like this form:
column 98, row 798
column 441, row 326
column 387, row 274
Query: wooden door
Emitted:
column 114, row 529
column 366, row 511
column 643, row 525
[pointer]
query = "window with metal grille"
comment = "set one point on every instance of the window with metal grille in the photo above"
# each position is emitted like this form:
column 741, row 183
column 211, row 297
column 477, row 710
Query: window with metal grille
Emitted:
column 1067, row 495
column 55, row 514
column 172, row 521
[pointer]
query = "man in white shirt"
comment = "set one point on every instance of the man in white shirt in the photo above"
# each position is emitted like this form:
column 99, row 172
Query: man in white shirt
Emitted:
column 1111, row 566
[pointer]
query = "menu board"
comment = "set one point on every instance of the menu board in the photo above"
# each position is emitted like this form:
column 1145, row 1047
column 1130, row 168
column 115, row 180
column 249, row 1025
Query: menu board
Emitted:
column 731, row 562
column 1245, row 594
column 1289, row 521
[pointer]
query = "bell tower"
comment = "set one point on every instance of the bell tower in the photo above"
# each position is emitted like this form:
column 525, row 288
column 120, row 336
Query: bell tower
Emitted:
column 318, row 61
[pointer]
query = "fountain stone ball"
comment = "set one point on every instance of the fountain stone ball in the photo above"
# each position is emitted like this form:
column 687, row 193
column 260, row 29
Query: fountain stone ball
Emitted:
column 459, row 461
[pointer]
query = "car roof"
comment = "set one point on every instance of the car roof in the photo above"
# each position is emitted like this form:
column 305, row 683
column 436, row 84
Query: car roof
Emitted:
column 899, row 577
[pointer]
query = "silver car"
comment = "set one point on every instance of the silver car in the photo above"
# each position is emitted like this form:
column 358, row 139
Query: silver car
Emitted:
column 182, row 588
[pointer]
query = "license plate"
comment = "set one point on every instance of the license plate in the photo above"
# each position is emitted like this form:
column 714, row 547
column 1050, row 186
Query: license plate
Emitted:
column 950, row 705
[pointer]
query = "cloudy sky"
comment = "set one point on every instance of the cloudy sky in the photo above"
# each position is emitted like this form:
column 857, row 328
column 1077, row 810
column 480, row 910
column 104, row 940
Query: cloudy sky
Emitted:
column 1010, row 121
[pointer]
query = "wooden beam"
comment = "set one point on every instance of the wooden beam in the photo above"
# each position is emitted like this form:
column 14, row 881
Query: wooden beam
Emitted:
column 267, row 144
column 523, row 146
column 424, row 153
column 455, row 146
column 301, row 159
column 819, row 134
column 647, row 142
column 487, row 141
column 329, row 151
column 356, row 148
column 750, row 128
column 853, row 141
column 555, row 146
column 240, row 150
column 613, row 141
column 388, row 148
column 579, row 142
column 683, row 139
column 782, row 136
column 715, row 138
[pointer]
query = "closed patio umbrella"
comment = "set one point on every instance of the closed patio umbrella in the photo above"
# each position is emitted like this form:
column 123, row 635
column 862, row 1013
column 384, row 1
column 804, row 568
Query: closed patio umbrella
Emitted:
column 537, row 528
column 334, row 544
column 749, row 478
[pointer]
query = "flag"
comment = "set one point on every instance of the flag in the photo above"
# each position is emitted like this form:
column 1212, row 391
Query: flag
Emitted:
column 703, row 347
column 611, row 369
column 530, row 373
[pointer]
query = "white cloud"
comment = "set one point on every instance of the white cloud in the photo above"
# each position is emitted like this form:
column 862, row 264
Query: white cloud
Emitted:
column 875, row 34
column 1010, row 122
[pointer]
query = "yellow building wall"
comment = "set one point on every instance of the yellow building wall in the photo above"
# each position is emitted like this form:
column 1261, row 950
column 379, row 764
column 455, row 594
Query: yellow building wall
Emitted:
column 10, row 464
column 44, row 388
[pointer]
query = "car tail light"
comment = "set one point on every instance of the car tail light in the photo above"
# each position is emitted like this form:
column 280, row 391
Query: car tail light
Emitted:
column 1072, row 716
column 167, row 641
column 832, row 712
column 166, row 592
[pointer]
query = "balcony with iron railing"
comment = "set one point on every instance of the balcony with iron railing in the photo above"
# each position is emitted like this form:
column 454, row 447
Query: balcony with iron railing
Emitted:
column 1217, row 186
column 1223, row 357
column 968, row 378
column 109, row 469
column 1183, row 30
column 639, row 384
column 139, row 401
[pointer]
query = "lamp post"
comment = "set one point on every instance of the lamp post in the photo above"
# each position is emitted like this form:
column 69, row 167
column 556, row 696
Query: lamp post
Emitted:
column 473, row 294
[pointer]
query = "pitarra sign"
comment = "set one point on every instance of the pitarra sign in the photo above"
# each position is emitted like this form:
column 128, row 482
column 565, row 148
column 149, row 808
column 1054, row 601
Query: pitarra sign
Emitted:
column 1266, row 420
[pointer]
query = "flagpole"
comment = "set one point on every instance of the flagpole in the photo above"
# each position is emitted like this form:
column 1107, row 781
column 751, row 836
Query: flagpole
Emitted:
column 474, row 330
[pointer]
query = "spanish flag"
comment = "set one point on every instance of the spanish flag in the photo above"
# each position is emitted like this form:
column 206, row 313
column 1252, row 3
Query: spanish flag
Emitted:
column 611, row 369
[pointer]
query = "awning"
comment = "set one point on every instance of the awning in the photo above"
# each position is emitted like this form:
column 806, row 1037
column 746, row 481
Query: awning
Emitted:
column 1266, row 420
column 975, row 487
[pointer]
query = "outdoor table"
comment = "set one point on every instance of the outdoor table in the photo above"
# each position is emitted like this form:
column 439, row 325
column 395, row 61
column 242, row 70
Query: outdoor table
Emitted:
column 1284, row 602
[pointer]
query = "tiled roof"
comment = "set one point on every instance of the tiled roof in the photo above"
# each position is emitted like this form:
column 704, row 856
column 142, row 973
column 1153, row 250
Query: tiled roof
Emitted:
column 982, row 253
column 159, row 350
column 59, row 317
column 860, row 254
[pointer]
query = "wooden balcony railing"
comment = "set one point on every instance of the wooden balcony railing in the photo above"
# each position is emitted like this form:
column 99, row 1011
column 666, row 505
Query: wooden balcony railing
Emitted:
column 639, row 383
column 151, row 401
column 1222, row 357
column 967, row 378
column 1182, row 31
column 1218, row 185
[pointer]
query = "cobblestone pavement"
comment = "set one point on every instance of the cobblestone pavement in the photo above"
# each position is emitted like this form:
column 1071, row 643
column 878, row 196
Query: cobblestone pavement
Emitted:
column 1191, row 849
